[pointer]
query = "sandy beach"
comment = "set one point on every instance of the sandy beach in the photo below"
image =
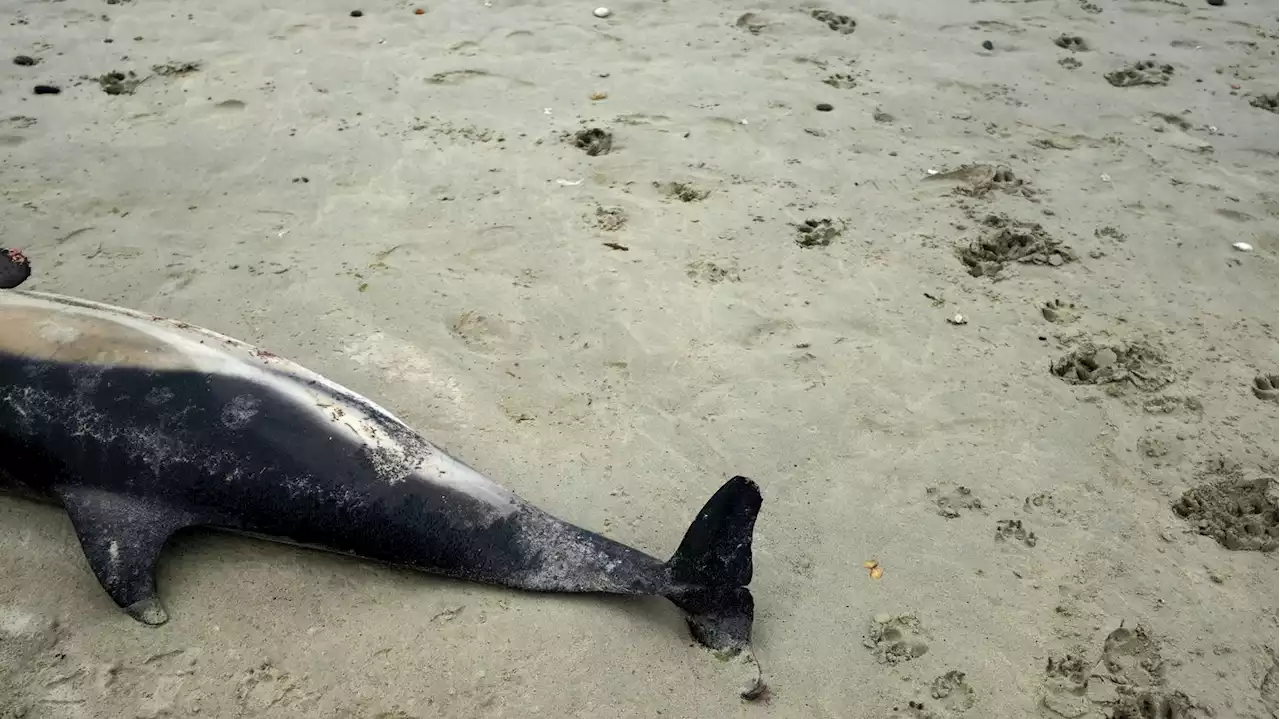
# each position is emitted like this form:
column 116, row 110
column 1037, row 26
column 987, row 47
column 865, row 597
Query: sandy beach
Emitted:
column 959, row 284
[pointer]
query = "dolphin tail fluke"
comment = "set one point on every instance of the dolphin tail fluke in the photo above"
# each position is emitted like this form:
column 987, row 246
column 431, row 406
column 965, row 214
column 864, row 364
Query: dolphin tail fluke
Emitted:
column 710, row 571
column 716, row 551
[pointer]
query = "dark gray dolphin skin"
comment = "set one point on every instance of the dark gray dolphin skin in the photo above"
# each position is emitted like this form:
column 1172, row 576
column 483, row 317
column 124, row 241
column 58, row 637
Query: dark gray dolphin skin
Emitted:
column 142, row 426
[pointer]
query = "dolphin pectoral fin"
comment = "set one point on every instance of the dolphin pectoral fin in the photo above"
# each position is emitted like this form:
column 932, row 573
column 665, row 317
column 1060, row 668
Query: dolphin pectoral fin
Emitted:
column 122, row 537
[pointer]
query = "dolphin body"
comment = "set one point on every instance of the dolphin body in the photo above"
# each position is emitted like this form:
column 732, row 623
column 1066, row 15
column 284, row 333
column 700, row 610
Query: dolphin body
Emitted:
column 141, row 426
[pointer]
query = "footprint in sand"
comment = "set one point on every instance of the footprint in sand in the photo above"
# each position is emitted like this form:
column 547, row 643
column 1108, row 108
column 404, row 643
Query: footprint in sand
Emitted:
column 712, row 272
column 1074, row 43
column 1059, row 312
column 1270, row 687
column 1132, row 656
column 949, row 696
column 263, row 687
column 978, row 180
column 1153, row 705
column 1128, row 682
column 1239, row 514
column 1266, row 101
column 1136, row 363
column 1173, row 404
column 1005, row 241
column 18, row 122
column 609, row 219
column 1013, row 530
column 1066, row 685
column 753, row 23
column 1042, row 504
column 1133, row 665
column 593, row 141
column 949, row 504
column 682, row 191
column 893, row 639
column 480, row 333
column 841, row 81
column 953, row 693
column 765, row 331
column 1267, row 387
column 842, row 24
column 820, row 232
column 1143, row 72
column 467, row 76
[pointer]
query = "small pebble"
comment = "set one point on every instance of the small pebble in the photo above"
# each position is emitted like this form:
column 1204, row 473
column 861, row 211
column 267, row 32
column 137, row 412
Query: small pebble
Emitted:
column 825, row 107
column 988, row 45
column 357, row 13
column 47, row 90
column 25, row 60
column 1217, row 3
column 602, row 12
column 1242, row 246
column 419, row 11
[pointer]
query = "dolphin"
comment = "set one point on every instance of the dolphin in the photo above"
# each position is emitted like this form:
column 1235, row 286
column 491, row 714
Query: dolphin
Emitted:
column 141, row 426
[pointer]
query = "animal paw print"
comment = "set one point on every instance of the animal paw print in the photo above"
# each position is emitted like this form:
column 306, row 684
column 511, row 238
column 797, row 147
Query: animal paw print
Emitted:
column 1059, row 312
column 263, row 687
column 1012, row 530
column 1267, row 387
column 1143, row 72
column 1074, row 43
column 1154, row 704
column 842, row 24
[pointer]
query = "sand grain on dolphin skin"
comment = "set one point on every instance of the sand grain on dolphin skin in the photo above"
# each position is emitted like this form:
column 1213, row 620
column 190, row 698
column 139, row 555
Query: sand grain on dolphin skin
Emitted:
column 236, row 438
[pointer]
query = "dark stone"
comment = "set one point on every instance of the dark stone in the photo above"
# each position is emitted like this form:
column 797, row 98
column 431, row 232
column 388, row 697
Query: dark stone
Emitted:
column 357, row 13
column 47, row 90
column 25, row 60
column 988, row 45
column 825, row 107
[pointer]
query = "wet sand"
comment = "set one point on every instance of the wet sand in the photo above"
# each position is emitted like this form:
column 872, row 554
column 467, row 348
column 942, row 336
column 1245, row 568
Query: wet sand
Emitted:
column 954, row 282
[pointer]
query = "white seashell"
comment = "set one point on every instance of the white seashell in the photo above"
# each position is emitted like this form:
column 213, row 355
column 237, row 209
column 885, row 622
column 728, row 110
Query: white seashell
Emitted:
column 602, row 12
column 1242, row 246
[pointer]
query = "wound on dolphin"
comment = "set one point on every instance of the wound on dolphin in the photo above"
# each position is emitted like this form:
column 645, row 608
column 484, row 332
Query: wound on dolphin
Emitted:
column 15, row 268
column 141, row 427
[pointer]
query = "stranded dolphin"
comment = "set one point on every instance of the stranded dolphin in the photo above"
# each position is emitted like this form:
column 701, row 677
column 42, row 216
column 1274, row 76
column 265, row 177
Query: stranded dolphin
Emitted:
column 142, row 426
